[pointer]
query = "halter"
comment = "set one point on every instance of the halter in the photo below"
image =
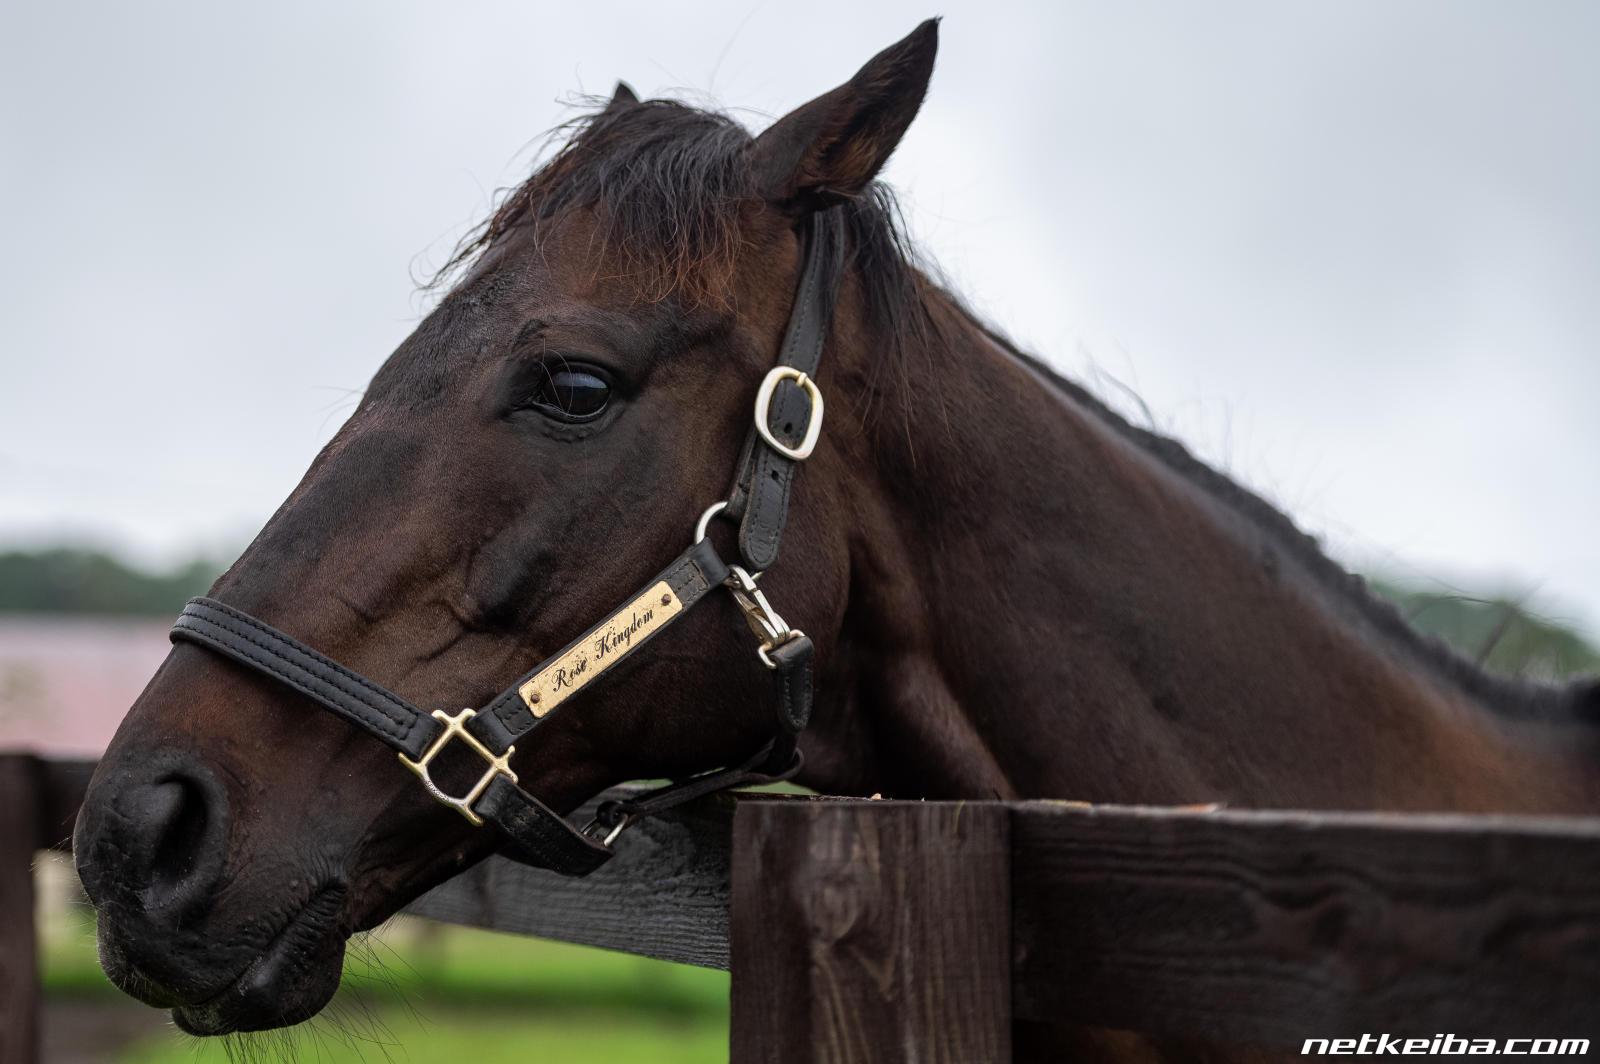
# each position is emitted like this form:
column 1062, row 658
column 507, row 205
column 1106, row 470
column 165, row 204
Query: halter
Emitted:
column 788, row 420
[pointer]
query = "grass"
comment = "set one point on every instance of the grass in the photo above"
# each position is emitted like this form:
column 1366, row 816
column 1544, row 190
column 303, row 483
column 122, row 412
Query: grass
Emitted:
column 422, row 992
column 494, row 1038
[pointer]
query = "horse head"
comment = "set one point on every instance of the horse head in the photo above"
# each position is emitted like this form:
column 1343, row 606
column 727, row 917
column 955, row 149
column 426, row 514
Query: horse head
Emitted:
column 539, row 446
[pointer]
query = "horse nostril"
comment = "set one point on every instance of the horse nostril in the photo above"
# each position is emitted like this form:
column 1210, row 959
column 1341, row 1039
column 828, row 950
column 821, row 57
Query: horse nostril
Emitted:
column 154, row 844
column 177, row 817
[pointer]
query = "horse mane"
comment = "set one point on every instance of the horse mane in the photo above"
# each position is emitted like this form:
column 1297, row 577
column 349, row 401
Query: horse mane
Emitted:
column 671, row 183
column 1512, row 696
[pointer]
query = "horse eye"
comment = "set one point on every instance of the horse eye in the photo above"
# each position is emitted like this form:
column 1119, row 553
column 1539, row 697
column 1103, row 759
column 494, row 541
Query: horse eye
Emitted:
column 570, row 393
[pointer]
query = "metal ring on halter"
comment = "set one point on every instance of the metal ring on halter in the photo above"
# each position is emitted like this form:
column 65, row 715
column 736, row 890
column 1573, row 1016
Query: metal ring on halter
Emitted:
column 611, row 835
column 705, row 522
column 764, row 651
column 705, row 519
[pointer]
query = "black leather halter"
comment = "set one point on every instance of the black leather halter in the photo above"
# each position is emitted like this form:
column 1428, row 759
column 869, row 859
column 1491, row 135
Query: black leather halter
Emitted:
column 788, row 418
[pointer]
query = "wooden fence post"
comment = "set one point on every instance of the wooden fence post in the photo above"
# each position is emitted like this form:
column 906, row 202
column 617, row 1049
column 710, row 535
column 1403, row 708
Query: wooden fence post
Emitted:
column 19, row 966
column 871, row 932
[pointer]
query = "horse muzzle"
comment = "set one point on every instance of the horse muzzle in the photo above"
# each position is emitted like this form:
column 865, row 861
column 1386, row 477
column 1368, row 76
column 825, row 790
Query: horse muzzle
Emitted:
column 151, row 850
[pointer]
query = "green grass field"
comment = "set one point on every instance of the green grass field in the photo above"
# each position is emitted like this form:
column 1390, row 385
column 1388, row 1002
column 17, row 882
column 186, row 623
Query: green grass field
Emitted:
column 459, row 1038
column 426, row 993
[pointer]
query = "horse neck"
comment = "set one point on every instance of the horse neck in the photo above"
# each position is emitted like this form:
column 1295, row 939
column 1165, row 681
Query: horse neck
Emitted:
column 1042, row 606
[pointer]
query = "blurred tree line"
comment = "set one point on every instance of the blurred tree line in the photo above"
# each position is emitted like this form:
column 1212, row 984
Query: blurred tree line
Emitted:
column 69, row 580
column 1499, row 632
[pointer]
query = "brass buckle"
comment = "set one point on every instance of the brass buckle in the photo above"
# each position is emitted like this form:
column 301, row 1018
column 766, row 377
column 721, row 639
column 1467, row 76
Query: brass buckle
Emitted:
column 769, row 385
column 764, row 622
column 456, row 727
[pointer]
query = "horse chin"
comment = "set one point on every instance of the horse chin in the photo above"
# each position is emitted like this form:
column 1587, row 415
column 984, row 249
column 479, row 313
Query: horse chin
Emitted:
column 290, row 981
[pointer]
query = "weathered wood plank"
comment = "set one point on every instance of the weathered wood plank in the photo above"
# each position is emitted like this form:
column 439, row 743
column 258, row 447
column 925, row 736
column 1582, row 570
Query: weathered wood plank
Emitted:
column 664, row 895
column 1277, row 927
column 19, row 974
column 871, row 932
column 1263, row 927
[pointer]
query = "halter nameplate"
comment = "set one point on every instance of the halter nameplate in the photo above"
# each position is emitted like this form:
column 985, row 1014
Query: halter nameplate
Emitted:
column 600, row 648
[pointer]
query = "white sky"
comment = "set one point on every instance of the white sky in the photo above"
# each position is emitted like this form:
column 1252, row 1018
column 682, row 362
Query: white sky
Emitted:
column 1349, row 251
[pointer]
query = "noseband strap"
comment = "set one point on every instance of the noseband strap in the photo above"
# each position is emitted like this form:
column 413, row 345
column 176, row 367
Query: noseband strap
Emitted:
column 788, row 419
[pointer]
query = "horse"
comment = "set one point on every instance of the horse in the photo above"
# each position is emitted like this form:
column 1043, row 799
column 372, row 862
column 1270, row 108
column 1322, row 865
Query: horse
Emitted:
column 1011, row 591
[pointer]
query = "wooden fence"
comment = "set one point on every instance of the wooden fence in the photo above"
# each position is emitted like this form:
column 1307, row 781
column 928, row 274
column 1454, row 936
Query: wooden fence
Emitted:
column 932, row 931
column 39, row 801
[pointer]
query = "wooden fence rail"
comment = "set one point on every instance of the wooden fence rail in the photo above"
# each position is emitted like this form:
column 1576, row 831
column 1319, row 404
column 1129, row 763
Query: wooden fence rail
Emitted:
column 39, row 801
column 925, row 931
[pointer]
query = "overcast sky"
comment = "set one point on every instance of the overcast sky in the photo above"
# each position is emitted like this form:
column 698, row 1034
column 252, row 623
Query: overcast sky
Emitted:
column 1348, row 251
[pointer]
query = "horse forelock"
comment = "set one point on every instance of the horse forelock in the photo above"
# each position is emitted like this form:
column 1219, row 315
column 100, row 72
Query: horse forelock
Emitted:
column 671, row 186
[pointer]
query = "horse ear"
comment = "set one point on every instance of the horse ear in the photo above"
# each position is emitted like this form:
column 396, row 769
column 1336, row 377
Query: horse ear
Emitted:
column 622, row 98
column 831, row 148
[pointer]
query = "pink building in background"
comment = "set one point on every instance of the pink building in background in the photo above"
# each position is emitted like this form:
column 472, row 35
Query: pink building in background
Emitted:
column 65, row 682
